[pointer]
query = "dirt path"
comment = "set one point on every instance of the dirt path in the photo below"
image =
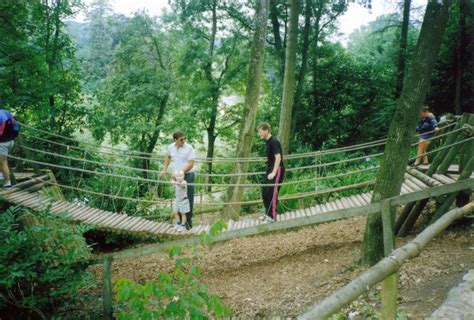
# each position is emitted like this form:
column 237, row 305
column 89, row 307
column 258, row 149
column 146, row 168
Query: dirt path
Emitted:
column 282, row 274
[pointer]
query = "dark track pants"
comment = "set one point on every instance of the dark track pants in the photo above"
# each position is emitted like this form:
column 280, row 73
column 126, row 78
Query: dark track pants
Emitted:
column 189, row 177
column 270, row 193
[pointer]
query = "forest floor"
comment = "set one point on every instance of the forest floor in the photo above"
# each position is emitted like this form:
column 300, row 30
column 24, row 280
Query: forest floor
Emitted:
column 282, row 274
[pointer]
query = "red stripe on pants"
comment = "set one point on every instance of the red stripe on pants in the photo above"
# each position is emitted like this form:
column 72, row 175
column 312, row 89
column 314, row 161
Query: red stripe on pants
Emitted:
column 275, row 193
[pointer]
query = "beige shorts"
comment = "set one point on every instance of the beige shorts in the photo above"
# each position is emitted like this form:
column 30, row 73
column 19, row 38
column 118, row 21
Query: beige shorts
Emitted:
column 181, row 206
column 6, row 148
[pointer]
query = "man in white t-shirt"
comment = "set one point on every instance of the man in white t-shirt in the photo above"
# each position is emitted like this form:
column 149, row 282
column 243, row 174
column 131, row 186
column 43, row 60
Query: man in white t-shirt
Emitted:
column 181, row 156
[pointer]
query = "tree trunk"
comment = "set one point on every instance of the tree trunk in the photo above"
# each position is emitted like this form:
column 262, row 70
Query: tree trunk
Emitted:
column 403, row 47
column 154, row 138
column 289, row 78
column 466, row 9
column 54, row 48
column 247, row 128
column 416, row 84
column 314, row 89
column 211, row 140
column 276, row 34
column 460, row 56
column 304, row 64
column 211, row 129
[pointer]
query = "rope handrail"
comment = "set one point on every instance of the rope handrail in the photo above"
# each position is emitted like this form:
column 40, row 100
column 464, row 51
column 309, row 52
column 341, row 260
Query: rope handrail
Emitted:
column 249, row 202
column 321, row 165
column 140, row 179
column 214, row 160
column 191, row 184
column 204, row 175
column 215, row 174
column 251, row 159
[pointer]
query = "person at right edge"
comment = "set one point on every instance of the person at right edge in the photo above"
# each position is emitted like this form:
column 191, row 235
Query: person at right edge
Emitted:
column 425, row 128
column 274, row 174
column 9, row 129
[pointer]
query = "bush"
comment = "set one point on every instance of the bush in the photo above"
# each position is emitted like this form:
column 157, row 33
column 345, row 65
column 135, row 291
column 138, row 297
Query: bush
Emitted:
column 42, row 267
column 175, row 295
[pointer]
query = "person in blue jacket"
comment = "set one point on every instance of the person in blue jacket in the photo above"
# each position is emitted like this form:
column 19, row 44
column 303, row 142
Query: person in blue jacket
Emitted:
column 425, row 128
column 9, row 129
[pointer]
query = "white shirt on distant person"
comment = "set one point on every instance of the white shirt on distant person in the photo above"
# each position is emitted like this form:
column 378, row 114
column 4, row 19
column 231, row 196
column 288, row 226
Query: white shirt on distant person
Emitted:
column 180, row 156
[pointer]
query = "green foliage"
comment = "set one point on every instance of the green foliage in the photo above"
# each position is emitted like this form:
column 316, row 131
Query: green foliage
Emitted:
column 39, row 75
column 137, row 93
column 177, row 294
column 42, row 266
column 351, row 92
column 99, row 46
column 378, row 41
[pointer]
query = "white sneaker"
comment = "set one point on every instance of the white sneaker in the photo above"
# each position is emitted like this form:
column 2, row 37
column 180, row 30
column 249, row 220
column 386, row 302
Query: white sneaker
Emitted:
column 267, row 219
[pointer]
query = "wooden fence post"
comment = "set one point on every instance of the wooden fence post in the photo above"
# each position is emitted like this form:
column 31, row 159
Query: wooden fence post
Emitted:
column 107, row 293
column 389, row 285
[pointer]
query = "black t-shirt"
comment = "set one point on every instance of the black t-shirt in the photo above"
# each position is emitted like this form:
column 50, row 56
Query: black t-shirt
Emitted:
column 273, row 148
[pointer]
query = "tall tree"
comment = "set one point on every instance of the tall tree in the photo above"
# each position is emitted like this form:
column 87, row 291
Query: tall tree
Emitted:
column 403, row 46
column 276, row 10
column 415, row 87
column 252, row 94
column 136, row 95
column 304, row 62
column 320, row 18
column 99, row 46
column 39, row 68
column 325, row 14
column 213, row 60
column 289, row 78
column 463, row 71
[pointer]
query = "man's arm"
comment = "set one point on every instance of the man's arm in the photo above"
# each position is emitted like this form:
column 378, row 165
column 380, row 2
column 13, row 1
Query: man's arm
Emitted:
column 189, row 166
column 275, row 167
column 167, row 163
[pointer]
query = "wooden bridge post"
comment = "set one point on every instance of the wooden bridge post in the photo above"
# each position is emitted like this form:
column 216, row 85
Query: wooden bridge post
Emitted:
column 467, row 150
column 107, row 293
column 389, row 285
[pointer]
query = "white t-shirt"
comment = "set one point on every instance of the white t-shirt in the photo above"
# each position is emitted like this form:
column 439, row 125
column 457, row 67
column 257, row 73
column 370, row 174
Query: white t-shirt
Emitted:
column 180, row 156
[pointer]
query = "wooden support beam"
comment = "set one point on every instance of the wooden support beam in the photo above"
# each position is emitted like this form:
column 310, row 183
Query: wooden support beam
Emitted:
column 412, row 217
column 465, row 174
column 449, row 158
column 423, row 177
column 440, row 155
column 467, row 151
column 389, row 285
column 403, row 216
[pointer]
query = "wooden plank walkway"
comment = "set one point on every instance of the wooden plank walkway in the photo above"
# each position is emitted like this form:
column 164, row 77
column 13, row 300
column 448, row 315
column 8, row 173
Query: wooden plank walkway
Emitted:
column 414, row 181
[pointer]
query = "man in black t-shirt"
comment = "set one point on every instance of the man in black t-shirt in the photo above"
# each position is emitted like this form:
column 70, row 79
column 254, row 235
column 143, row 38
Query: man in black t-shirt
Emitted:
column 274, row 173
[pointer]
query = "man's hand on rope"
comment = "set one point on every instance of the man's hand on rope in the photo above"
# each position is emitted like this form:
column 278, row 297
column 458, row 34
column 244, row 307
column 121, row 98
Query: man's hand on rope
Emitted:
column 271, row 176
column 163, row 173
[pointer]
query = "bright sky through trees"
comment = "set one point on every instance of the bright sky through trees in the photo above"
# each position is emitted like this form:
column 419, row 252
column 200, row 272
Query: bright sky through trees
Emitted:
column 354, row 18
